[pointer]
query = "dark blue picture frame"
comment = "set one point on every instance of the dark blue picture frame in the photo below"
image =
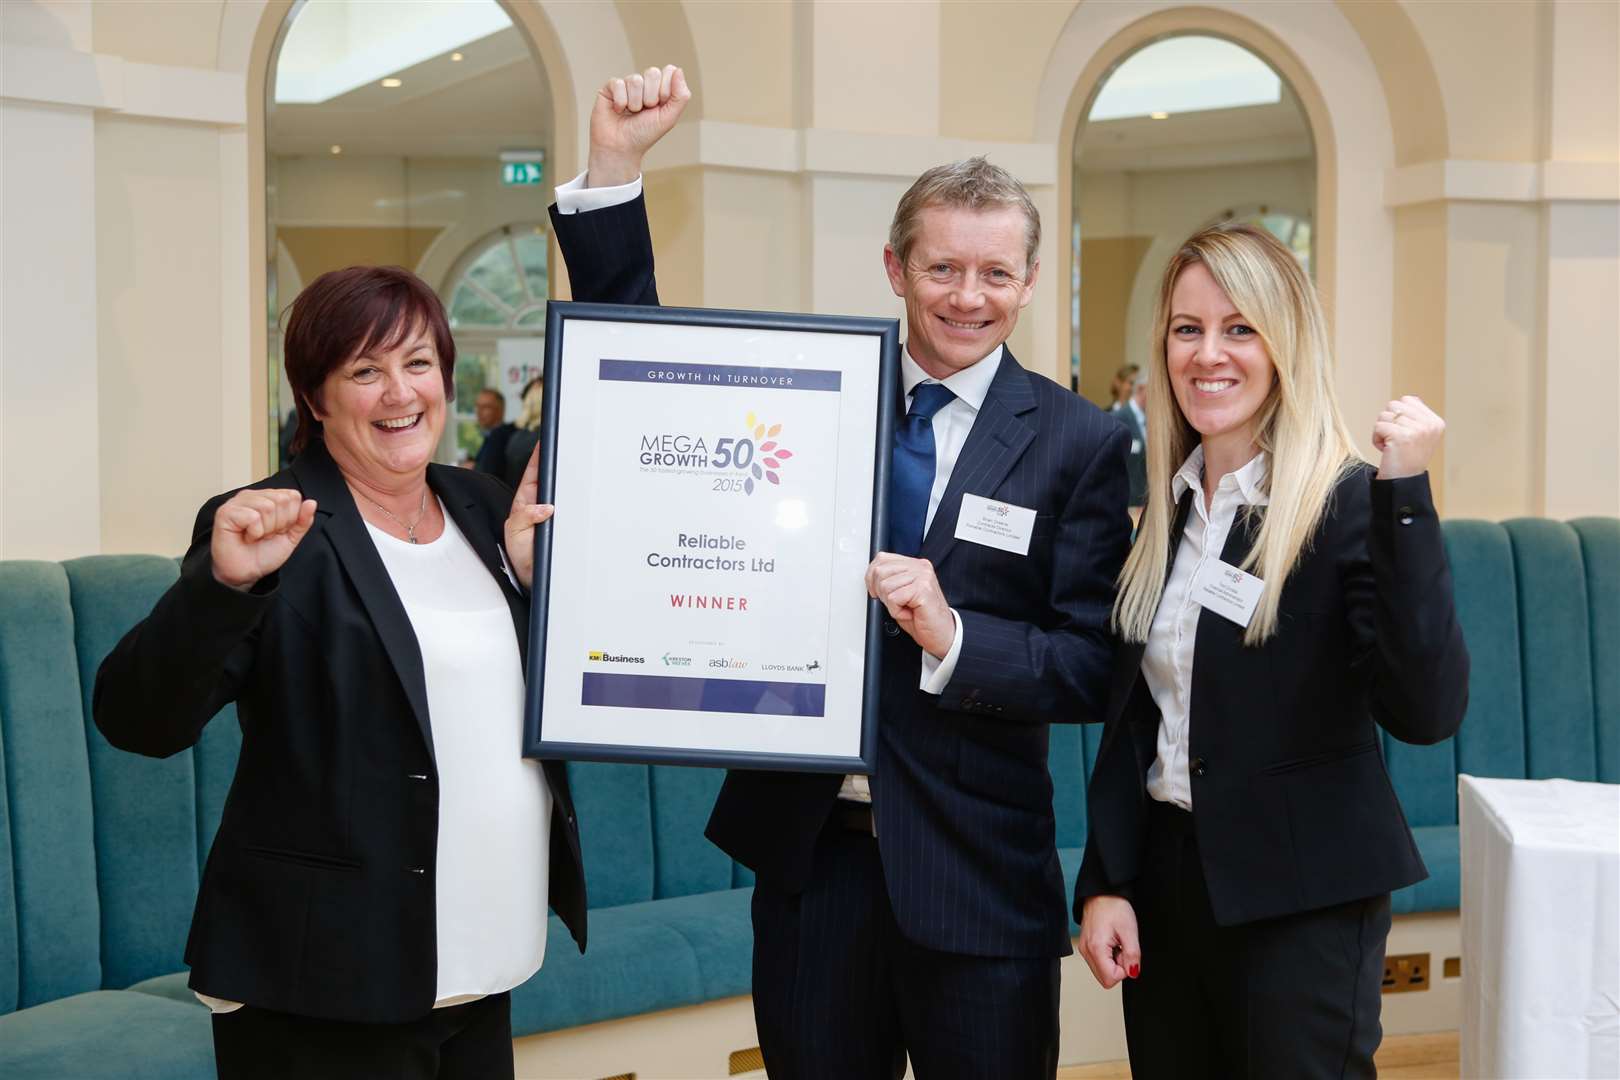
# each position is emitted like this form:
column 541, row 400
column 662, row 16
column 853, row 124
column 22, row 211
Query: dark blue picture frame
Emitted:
column 558, row 315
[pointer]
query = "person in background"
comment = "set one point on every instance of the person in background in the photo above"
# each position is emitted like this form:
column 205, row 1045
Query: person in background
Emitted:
column 1128, row 412
column 1119, row 391
column 1283, row 602
column 490, row 411
column 383, row 865
column 525, row 430
column 921, row 914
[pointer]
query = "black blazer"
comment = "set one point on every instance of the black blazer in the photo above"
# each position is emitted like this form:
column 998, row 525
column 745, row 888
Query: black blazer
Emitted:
column 492, row 451
column 962, row 794
column 318, row 894
column 1291, row 801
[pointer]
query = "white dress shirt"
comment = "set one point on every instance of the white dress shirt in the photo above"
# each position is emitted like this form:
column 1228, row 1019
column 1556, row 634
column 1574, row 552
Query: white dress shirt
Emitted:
column 1167, row 662
column 951, row 427
column 575, row 198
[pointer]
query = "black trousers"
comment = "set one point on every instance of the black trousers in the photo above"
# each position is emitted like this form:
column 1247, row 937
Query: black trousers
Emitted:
column 840, row 992
column 460, row 1042
column 1296, row 996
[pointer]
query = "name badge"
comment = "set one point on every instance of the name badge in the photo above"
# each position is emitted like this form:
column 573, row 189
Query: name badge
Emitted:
column 1228, row 592
column 995, row 524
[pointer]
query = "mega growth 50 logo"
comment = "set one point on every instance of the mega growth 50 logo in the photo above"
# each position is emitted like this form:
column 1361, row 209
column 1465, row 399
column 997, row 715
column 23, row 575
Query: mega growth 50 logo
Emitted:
column 756, row 456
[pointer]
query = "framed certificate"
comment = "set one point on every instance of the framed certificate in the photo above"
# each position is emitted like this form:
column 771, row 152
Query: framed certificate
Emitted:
column 699, row 596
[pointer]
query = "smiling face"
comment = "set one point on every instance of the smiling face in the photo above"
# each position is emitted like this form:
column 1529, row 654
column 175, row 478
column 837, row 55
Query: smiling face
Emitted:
column 1219, row 369
column 964, row 282
column 383, row 412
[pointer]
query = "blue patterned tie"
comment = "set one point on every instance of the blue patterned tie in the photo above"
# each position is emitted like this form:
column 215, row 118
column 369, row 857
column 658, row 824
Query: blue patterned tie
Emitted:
column 912, row 477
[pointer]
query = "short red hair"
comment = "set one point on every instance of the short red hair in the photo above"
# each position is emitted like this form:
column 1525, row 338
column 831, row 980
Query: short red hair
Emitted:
column 346, row 313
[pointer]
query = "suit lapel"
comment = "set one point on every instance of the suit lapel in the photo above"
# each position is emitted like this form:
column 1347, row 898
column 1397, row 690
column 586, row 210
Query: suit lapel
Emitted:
column 462, row 503
column 343, row 526
column 1128, row 660
column 999, row 437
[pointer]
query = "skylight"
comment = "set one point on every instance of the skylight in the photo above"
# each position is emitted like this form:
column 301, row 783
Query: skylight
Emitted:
column 1186, row 74
column 335, row 46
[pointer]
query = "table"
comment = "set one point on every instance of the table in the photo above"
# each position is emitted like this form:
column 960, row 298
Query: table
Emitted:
column 1540, row 928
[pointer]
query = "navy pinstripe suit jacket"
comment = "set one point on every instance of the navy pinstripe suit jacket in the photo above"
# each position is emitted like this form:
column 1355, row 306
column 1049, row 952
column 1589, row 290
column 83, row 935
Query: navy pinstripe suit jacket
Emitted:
column 962, row 796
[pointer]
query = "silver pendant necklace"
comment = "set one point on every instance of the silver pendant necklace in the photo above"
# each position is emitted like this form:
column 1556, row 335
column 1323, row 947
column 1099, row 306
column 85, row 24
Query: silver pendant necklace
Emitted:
column 408, row 526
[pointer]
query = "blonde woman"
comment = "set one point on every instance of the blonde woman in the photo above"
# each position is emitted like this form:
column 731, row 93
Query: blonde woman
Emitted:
column 527, row 435
column 1283, row 601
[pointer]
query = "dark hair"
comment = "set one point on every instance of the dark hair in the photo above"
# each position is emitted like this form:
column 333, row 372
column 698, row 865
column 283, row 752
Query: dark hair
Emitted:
column 500, row 397
column 345, row 313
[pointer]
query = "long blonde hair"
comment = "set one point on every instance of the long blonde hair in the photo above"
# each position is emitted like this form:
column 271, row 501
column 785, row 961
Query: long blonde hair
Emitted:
column 1298, row 425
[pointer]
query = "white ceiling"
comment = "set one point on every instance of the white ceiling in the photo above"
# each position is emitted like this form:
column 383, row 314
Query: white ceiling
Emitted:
column 1218, row 104
column 1247, row 135
column 334, row 46
column 1186, row 74
column 495, row 98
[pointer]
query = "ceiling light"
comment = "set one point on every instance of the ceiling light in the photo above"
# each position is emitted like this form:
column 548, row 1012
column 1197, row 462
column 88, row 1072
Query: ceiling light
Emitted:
column 1156, row 116
column 455, row 57
column 392, row 83
column 336, row 149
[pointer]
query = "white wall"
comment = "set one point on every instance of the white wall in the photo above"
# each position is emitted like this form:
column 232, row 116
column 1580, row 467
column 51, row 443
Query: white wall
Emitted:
column 159, row 300
column 50, row 417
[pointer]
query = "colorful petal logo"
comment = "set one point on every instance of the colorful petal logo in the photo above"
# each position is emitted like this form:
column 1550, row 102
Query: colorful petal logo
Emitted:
column 770, row 452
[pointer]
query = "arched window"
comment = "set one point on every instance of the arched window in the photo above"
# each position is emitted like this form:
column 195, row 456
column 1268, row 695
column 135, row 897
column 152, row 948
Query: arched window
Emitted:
column 498, row 291
column 501, row 284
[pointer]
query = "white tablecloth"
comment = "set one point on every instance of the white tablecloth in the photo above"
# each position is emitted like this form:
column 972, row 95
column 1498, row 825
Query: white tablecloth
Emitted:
column 1540, row 928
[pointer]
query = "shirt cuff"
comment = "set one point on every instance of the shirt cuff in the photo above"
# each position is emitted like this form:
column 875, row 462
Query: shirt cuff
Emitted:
column 575, row 198
column 936, row 674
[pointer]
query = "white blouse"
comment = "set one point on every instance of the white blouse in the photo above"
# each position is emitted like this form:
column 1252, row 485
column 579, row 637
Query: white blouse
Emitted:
column 494, row 805
column 1167, row 661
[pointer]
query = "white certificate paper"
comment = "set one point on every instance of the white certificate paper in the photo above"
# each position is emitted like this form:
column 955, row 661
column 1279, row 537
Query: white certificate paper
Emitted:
column 714, row 514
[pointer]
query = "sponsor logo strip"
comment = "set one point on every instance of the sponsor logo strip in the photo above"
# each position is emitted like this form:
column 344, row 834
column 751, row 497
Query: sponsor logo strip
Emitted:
column 768, row 378
column 704, row 695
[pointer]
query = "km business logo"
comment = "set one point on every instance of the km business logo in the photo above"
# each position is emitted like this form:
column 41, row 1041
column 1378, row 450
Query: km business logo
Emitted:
column 742, row 461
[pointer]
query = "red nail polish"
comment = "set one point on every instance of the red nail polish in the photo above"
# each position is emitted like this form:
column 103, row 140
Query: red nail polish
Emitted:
column 1134, row 970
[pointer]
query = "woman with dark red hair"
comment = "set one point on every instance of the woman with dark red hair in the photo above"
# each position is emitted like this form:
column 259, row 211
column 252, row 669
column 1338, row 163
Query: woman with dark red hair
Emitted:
column 380, row 877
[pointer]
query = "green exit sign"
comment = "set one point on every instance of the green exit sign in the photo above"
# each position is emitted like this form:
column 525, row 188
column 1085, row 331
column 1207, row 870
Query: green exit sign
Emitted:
column 519, row 173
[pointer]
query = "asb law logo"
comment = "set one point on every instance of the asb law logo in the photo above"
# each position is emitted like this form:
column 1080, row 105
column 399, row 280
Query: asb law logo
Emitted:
column 761, row 442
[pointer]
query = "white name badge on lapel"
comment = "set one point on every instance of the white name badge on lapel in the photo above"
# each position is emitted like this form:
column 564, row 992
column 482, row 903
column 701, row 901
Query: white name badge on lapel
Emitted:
column 1228, row 592
column 995, row 524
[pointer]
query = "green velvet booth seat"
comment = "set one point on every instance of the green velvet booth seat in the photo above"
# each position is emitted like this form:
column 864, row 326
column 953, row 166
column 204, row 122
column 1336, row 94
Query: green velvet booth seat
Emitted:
column 1540, row 608
column 100, row 851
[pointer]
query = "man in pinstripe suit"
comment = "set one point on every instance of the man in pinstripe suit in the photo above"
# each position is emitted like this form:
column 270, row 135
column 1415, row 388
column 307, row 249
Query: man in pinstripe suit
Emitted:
column 921, row 912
